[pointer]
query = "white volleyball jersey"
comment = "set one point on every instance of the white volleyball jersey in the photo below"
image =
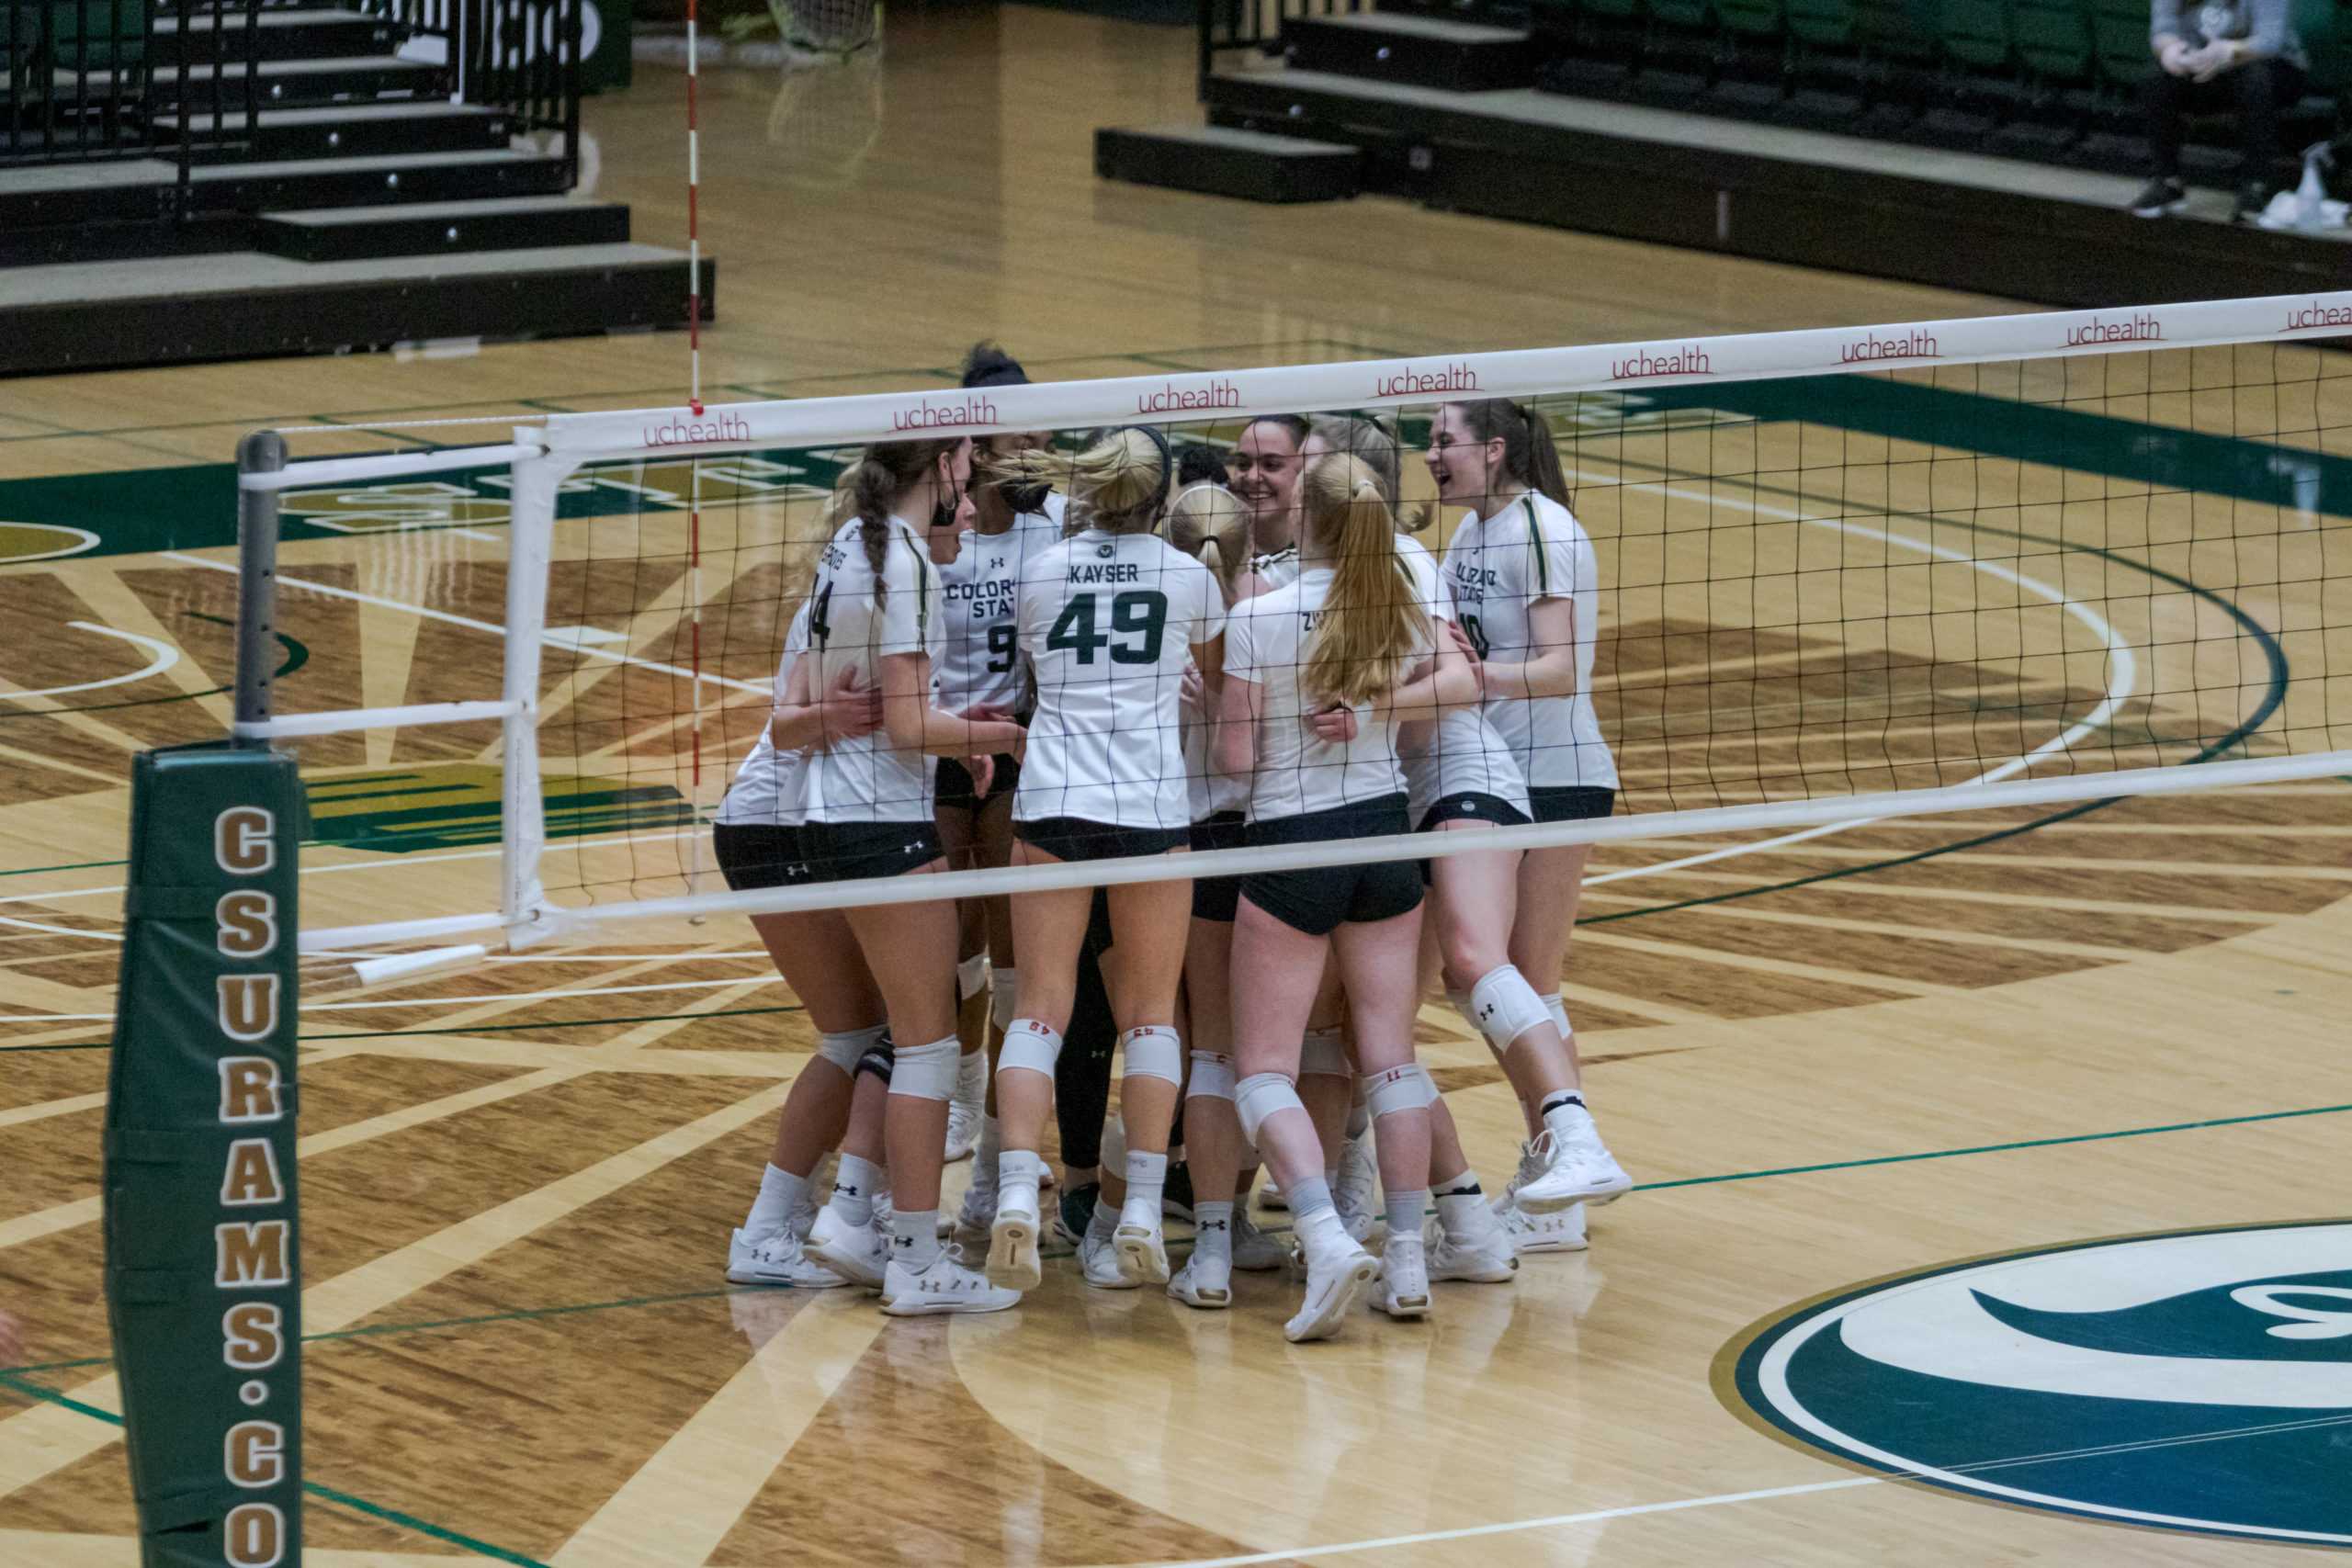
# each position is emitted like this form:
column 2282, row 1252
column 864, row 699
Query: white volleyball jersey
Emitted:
column 1496, row 569
column 979, row 662
column 1278, row 569
column 1211, row 791
column 1461, row 754
column 1267, row 641
column 1108, row 623
column 868, row 779
column 769, row 789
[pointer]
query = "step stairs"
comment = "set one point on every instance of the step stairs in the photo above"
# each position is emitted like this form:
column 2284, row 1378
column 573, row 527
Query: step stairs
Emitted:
column 1412, row 50
column 426, row 228
column 1218, row 160
column 341, row 131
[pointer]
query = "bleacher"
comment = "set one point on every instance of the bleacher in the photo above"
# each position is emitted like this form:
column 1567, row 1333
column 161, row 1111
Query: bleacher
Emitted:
column 1993, row 146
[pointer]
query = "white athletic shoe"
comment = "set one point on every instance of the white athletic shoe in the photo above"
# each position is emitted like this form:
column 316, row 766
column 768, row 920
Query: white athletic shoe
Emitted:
column 856, row 1253
column 1576, row 1168
column 1355, row 1192
column 1333, row 1283
column 1482, row 1254
column 1012, row 1242
column 1142, row 1245
column 1404, row 1288
column 1204, row 1281
column 946, row 1286
column 963, row 1128
column 776, row 1260
column 1559, row 1231
column 1100, row 1262
column 1255, row 1252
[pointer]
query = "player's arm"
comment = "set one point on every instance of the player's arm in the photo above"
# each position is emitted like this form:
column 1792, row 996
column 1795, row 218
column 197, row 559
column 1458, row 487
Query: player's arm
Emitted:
column 1445, row 680
column 1550, row 670
column 802, row 719
column 915, row 724
column 1240, row 703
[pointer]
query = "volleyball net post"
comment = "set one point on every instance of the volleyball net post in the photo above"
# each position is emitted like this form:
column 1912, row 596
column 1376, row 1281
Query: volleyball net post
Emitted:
column 1665, row 444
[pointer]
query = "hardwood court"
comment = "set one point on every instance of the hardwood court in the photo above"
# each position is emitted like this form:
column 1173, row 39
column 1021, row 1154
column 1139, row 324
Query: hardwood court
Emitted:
column 1829, row 1060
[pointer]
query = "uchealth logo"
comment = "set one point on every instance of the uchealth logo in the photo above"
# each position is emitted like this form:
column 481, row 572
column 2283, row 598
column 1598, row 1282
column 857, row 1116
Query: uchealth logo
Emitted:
column 1687, row 359
column 2197, row 1381
column 2141, row 326
column 955, row 414
column 1176, row 397
column 2318, row 316
column 686, row 430
column 1455, row 377
column 1871, row 347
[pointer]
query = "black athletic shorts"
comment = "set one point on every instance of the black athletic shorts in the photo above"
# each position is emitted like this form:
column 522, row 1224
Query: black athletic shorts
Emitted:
column 1074, row 837
column 1216, row 898
column 1471, row 808
column 953, row 784
column 758, row 854
column 1320, row 899
column 1571, row 803
column 845, row 851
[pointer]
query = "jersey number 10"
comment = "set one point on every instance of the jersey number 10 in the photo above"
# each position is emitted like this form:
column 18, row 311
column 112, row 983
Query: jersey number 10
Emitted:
column 1138, row 622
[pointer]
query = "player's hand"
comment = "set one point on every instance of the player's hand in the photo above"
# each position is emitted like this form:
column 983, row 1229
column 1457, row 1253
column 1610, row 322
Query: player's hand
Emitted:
column 1193, row 689
column 982, row 768
column 1336, row 724
column 2177, row 57
column 850, row 710
column 989, row 713
column 2214, row 59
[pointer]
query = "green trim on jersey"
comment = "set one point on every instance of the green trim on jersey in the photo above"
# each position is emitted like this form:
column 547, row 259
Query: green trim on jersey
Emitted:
column 1535, row 542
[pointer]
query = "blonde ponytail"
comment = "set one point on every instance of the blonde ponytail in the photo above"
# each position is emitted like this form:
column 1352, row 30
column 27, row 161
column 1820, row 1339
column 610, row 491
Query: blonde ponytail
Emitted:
column 1209, row 520
column 1370, row 627
column 1115, row 484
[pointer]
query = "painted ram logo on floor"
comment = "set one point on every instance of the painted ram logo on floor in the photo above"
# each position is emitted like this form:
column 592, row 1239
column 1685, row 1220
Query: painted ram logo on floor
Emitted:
column 2200, row 1381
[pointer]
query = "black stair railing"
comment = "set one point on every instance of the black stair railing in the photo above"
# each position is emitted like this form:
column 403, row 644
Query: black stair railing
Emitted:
column 89, row 81
column 521, row 56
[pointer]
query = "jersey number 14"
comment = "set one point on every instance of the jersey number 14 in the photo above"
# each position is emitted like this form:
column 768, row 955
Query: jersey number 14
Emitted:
column 1138, row 622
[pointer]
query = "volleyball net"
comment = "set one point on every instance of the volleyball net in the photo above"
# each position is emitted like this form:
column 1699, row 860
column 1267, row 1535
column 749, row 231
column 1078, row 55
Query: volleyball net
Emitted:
column 1843, row 575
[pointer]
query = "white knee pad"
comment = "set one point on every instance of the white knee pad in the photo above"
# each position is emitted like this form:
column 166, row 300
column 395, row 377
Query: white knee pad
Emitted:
column 1030, row 1044
column 1154, row 1052
column 1398, row 1088
column 926, row 1072
column 844, row 1049
column 1259, row 1096
column 1323, row 1054
column 1559, row 1011
column 971, row 974
column 1004, row 992
column 1212, row 1077
column 1506, row 1007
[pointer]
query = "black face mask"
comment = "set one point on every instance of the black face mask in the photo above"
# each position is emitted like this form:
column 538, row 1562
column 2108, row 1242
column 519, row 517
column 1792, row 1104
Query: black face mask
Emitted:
column 1028, row 498
column 943, row 514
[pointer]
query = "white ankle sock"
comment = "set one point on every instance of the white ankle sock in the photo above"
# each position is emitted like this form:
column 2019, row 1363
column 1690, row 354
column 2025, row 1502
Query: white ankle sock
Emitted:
column 1213, row 1230
column 914, row 1240
column 854, row 1187
column 1018, row 1170
column 1146, row 1177
column 780, row 1194
column 1404, row 1211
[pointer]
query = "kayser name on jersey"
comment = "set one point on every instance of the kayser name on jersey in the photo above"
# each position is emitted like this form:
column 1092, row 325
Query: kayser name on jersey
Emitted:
column 1106, row 571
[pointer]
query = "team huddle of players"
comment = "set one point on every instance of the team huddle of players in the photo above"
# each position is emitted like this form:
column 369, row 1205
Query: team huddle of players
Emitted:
column 1013, row 654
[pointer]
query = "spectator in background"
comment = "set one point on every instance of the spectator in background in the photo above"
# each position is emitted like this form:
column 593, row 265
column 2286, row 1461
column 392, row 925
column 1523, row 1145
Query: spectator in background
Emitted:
column 2224, row 54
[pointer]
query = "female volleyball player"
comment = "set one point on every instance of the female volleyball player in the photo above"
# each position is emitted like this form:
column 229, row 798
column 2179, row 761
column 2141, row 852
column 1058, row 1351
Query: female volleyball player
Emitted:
column 1108, row 621
column 1524, row 583
column 1356, row 631
column 878, row 615
column 757, row 843
column 979, row 670
column 1265, row 476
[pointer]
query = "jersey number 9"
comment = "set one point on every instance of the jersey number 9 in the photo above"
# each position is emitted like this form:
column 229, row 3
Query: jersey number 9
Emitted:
column 1138, row 622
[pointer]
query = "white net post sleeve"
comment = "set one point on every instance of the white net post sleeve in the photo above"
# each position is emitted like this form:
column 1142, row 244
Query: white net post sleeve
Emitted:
column 530, row 547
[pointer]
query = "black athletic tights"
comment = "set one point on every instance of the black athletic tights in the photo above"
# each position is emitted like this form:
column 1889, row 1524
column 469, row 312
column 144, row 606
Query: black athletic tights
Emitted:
column 1082, row 1076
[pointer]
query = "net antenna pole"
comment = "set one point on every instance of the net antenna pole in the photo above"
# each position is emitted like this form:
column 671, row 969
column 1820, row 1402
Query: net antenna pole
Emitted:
column 262, row 451
column 536, row 477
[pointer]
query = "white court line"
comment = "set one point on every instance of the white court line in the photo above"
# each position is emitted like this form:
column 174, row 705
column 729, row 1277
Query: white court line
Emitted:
column 166, row 656
column 455, row 1001
column 1471, row 1532
column 59, row 930
column 765, row 689
column 2120, row 684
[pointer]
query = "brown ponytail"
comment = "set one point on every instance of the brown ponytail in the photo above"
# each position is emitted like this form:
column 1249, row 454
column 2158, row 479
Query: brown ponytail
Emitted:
column 1370, row 627
column 1530, row 452
column 886, row 470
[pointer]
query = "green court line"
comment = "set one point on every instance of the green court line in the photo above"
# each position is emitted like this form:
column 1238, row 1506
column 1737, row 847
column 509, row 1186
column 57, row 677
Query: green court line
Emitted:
column 87, row 1045
column 76, row 865
column 501, row 1028
column 327, row 1494
column 1991, row 1148
column 108, row 707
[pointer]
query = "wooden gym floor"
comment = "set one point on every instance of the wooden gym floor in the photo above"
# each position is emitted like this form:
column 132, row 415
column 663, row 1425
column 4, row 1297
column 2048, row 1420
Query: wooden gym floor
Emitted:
column 1865, row 1053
